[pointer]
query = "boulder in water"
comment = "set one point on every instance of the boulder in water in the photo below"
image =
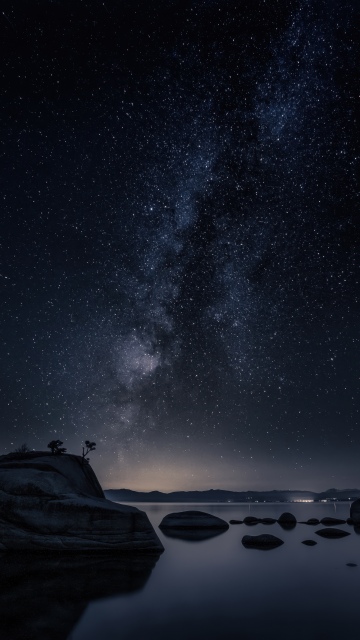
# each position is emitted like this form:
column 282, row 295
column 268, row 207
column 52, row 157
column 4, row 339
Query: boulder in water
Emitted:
column 250, row 520
column 268, row 521
column 263, row 541
column 192, row 520
column 287, row 518
column 329, row 522
column 330, row 532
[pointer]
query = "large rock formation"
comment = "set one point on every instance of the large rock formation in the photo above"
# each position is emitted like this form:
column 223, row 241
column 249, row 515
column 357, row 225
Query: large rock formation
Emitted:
column 55, row 503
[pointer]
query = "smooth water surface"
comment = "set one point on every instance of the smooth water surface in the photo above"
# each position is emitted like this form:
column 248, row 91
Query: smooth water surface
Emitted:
column 216, row 588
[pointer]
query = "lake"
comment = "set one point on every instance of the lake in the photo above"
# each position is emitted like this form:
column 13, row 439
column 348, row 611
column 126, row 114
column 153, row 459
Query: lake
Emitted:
column 209, row 589
column 216, row 588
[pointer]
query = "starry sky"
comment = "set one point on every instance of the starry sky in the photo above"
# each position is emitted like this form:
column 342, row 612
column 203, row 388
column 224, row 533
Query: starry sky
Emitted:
column 179, row 239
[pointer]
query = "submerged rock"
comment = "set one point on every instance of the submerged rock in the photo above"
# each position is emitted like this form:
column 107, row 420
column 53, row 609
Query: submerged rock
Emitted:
column 332, row 533
column 235, row 521
column 351, row 564
column 187, row 520
column 250, row 520
column 309, row 543
column 311, row 521
column 328, row 522
column 268, row 520
column 55, row 503
column 263, row 541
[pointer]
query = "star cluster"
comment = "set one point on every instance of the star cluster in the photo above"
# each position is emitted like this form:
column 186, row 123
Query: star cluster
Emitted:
column 180, row 238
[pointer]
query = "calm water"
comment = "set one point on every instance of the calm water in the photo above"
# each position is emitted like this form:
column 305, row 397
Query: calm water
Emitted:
column 218, row 589
column 199, row 590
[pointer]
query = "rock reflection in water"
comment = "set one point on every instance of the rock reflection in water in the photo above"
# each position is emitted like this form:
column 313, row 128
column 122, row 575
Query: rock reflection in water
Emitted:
column 195, row 535
column 42, row 597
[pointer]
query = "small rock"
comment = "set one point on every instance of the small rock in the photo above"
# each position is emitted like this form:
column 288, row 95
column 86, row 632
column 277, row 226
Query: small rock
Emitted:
column 328, row 522
column 264, row 541
column 235, row 521
column 251, row 520
column 311, row 521
column 309, row 543
column 332, row 533
column 287, row 518
column 268, row 521
column 287, row 521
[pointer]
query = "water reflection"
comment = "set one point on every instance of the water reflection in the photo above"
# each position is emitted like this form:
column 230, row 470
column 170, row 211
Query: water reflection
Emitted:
column 42, row 598
column 219, row 589
column 194, row 535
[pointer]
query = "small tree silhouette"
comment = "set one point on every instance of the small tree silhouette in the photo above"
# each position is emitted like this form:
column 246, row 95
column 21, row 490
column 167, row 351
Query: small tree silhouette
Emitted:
column 89, row 446
column 56, row 448
column 22, row 449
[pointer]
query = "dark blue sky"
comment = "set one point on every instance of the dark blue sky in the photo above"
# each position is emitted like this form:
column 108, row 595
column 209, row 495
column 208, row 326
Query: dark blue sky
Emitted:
column 180, row 240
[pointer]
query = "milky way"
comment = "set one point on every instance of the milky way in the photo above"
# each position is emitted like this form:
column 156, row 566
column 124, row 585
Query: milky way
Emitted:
column 180, row 239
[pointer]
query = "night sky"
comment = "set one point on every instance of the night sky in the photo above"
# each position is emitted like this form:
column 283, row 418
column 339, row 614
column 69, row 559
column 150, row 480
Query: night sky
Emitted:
column 179, row 239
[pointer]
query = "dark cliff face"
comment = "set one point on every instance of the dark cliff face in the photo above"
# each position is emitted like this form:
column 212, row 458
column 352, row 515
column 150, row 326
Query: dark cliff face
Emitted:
column 77, row 473
column 52, row 502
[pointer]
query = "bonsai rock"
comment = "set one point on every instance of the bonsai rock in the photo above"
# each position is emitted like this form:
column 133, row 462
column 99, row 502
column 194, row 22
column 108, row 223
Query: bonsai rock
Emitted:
column 55, row 503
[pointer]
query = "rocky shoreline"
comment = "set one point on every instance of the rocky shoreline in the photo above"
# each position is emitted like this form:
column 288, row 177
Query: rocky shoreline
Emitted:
column 55, row 503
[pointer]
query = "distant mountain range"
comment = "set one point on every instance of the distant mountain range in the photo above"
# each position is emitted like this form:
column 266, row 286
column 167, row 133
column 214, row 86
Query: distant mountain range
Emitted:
column 220, row 495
